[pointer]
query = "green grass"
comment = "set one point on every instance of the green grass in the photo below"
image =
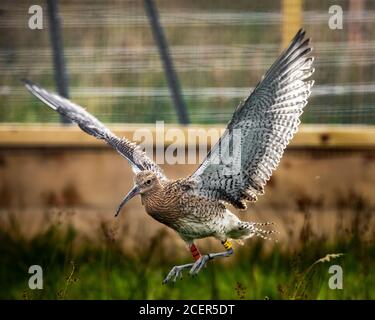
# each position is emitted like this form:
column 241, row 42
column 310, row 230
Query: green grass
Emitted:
column 102, row 270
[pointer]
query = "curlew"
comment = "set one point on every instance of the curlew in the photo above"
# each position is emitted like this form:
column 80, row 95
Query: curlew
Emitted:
column 195, row 206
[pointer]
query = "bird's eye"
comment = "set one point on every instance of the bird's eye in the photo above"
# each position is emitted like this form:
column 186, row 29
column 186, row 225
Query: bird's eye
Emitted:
column 148, row 182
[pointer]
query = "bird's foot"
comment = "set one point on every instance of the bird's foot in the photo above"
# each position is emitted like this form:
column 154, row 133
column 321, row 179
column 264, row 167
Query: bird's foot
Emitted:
column 199, row 264
column 176, row 272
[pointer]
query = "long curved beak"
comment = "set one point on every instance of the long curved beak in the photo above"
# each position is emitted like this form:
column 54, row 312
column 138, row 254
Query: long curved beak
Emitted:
column 132, row 193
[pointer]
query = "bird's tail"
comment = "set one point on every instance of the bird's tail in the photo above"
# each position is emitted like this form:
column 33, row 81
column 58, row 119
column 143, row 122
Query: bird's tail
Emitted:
column 247, row 230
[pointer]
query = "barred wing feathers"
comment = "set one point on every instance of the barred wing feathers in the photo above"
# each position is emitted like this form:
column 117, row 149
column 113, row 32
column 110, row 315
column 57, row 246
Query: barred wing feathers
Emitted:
column 91, row 125
column 264, row 124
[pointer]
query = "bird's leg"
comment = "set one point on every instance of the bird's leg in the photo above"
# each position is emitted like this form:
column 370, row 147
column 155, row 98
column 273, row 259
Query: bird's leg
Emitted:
column 202, row 260
column 176, row 271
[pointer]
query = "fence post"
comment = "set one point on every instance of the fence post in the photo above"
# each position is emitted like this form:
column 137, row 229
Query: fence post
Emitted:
column 61, row 77
column 292, row 20
column 170, row 73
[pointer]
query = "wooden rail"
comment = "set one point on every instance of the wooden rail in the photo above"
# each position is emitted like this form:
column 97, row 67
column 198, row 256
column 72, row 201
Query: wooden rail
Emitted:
column 320, row 136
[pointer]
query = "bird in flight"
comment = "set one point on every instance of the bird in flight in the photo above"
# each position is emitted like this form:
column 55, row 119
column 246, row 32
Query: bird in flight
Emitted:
column 234, row 172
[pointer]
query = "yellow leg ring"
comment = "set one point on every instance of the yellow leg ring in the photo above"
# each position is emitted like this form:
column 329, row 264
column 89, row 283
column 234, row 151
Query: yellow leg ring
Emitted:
column 227, row 245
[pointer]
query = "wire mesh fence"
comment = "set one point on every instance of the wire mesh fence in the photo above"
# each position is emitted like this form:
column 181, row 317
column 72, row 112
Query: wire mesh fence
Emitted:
column 220, row 50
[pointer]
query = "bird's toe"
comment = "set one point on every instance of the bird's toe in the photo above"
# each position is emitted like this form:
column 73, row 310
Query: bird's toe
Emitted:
column 170, row 275
column 174, row 274
column 198, row 265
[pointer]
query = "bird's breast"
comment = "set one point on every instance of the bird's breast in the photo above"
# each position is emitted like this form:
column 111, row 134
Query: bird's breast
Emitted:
column 163, row 207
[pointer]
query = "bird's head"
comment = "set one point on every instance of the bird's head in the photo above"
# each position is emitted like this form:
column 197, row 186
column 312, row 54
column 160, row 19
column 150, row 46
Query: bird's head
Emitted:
column 144, row 181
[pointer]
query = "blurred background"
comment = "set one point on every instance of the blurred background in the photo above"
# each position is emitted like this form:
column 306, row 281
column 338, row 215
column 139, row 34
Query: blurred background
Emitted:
column 189, row 64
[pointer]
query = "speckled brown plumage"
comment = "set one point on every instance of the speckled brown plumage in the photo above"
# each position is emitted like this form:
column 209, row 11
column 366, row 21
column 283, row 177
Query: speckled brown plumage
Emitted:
column 192, row 216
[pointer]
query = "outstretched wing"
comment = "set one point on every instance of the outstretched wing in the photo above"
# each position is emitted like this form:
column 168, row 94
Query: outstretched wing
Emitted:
column 89, row 124
column 240, row 164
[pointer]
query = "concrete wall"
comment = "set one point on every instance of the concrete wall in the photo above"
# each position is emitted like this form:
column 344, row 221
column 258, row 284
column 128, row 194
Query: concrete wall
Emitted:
column 83, row 186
